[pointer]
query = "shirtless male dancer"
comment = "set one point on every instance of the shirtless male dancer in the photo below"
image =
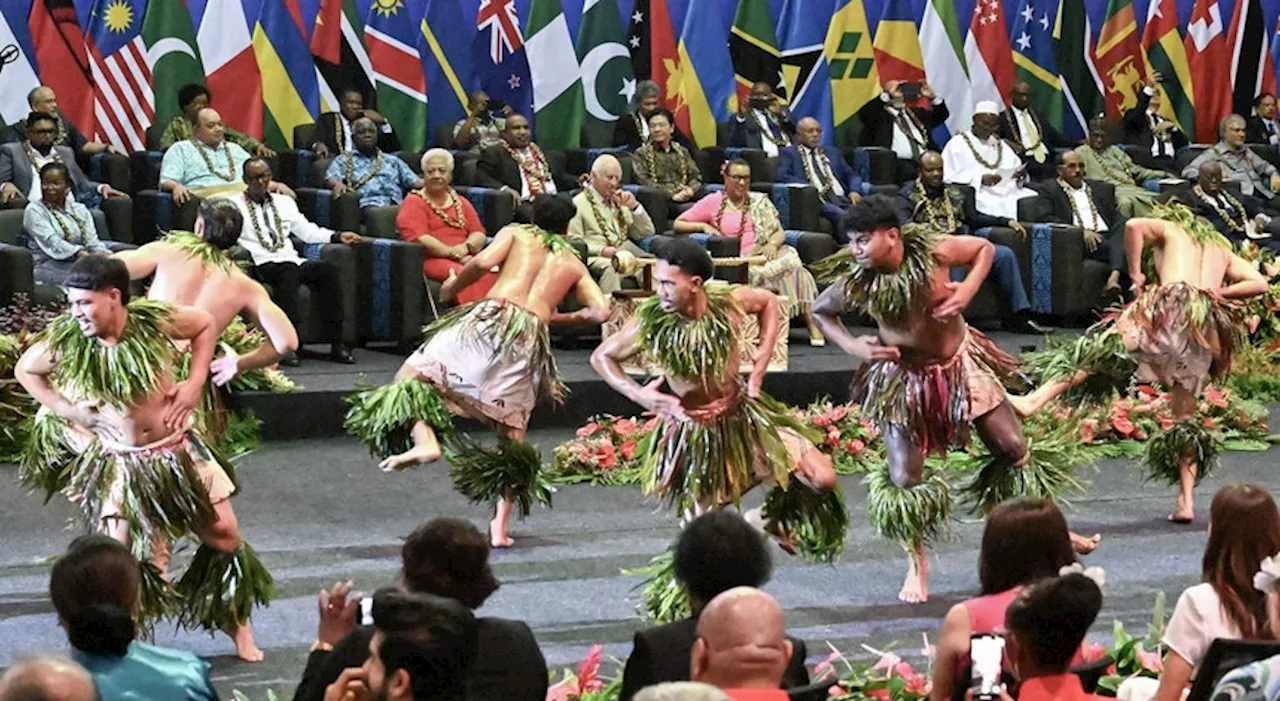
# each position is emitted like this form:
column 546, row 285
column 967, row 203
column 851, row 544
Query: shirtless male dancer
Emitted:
column 131, row 461
column 490, row 360
column 194, row 270
column 720, row 436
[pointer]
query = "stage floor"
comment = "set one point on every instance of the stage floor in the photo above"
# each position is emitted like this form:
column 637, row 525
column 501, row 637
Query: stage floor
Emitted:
column 319, row 510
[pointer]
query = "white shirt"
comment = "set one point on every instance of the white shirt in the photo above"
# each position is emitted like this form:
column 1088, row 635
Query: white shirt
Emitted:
column 1030, row 134
column 1197, row 620
column 766, row 142
column 813, row 157
column 1085, row 217
column 292, row 223
column 961, row 167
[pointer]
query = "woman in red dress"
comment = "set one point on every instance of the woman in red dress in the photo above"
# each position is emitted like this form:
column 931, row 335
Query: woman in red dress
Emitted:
column 445, row 224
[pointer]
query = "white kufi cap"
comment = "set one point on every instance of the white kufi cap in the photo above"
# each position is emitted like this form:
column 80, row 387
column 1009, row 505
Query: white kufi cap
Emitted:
column 986, row 107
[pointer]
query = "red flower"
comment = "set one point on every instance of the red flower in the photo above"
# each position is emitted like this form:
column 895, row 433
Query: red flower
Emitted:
column 821, row 420
column 1087, row 429
column 881, row 694
column 1092, row 652
column 624, row 427
column 650, row 424
column 1123, row 425
column 1215, row 396
column 1209, row 422
column 1150, row 661
column 588, row 430
column 854, row 446
column 917, row 684
column 903, row 669
column 628, row 450
column 606, row 456
column 833, row 440
column 589, row 671
column 1166, row 422
column 1146, row 393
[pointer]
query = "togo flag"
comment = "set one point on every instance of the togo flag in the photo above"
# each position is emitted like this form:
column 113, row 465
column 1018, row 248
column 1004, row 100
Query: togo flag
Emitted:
column 557, row 91
column 608, row 82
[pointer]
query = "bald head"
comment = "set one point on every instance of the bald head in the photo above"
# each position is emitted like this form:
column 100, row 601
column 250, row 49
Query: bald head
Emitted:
column 931, row 170
column 209, row 128
column 809, row 132
column 742, row 641
column 47, row 679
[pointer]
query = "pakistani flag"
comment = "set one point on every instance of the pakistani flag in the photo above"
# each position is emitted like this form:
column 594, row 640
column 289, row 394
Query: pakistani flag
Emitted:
column 557, row 90
column 172, row 55
column 608, row 82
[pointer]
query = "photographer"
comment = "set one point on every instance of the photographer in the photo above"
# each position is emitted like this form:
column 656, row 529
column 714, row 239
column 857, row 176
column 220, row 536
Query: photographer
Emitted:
column 481, row 129
column 897, row 122
column 763, row 123
column 333, row 129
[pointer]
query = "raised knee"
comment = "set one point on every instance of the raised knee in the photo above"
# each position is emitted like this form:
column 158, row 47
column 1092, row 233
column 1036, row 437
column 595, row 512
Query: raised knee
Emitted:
column 823, row 477
column 1012, row 450
column 904, row 478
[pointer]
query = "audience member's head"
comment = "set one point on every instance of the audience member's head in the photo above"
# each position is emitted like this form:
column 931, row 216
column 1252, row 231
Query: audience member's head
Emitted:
column 437, row 170
column 94, row 588
column 931, row 169
column 209, row 129
column 647, row 97
column 1099, row 133
column 47, row 678
column 1025, row 539
column 1020, row 95
column 421, row 648
column 737, row 179
column 717, row 552
column 553, row 213
column 742, row 642
column 448, row 557
column 42, row 99
column 1210, row 178
column 762, row 95
column 55, row 183
column 606, row 174
column 986, row 119
column 42, row 130
column 220, row 220
column 257, row 174
column 1244, row 528
column 1231, row 130
column 351, row 103
column 660, row 128
column 1047, row 622
column 364, row 136
column 516, row 131
column 809, row 132
column 1265, row 105
column 1070, row 168
column 192, row 98
column 681, row 691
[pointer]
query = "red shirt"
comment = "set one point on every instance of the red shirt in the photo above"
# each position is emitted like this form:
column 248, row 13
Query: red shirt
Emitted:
column 758, row 694
column 416, row 218
column 1057, row 687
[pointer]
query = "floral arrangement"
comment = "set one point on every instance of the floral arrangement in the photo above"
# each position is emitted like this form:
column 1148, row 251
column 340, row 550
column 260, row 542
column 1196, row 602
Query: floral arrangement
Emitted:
column 586, row 684
column 604, row 451
column 889, row 678
column 849, row 439
column 1131, row 657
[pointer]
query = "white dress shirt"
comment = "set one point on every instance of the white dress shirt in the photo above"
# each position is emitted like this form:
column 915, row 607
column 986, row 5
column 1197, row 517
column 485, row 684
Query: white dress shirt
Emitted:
column 1085, row 217
column 962, row 167
column 36, row 194
column 292, row 223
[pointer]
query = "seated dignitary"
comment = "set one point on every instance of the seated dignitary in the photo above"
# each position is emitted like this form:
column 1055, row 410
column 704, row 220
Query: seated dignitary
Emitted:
column 610, row 221
column 1110, row 164
column 1031, row 137
column 1242, row 169
column 1074, row 202
column 1144, row 126
column 206, row 165
column 378, row 179
column 1238, row 219
column 20, row 165
column 517, row 166
column 59, row 230
column 666, row 164
column 1262, row 126
column 763, row 122
column 192, row 98
column 988, row 164
column 811, row 163
column 632, row 129
column 43, row 99
column 333, row 129
column 892, row 122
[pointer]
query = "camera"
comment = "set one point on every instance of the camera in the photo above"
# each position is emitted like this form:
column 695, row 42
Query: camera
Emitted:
column 986, row 664
column 911, row 91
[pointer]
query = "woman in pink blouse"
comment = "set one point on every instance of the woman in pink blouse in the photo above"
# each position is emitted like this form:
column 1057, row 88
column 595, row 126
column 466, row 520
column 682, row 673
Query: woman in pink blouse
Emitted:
column 736, row 212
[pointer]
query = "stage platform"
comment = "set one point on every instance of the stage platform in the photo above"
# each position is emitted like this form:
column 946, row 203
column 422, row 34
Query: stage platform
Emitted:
column 316, row 409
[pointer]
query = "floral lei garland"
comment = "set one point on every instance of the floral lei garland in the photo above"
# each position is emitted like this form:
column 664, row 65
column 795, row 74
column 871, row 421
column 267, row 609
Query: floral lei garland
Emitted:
column 1094, row 216
column 274, row 244
column 208, row 161
column 535, row 167
column 947, row 215
column 453, row 202
column 972, row 149
column 58, row 215
column 1232, row 202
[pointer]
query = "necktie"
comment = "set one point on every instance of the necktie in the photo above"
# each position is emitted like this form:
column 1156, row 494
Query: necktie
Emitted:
column 905, row 125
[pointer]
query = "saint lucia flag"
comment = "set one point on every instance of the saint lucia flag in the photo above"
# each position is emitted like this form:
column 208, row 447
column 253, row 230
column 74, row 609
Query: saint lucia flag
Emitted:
column 290, row 91
column 802, row 34
column 705, row 72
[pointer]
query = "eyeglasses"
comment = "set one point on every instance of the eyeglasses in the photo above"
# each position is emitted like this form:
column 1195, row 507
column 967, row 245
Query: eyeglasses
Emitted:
column 739, row 178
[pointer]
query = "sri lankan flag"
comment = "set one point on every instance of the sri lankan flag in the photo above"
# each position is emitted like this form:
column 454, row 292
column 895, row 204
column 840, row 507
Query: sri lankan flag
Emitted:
column 753, row 47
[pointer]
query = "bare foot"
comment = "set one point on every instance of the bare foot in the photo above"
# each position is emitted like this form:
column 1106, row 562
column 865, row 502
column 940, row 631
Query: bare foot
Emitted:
column 1184, row 511
column 409, row 458
column 1083, row 545
column 915, row 588
column 498, row 536
column 246, row 648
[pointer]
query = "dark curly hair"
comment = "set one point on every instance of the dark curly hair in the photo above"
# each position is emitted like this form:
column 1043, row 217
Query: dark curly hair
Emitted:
column 872, row 213
column 189, row 92
column 449, row 557
column 1052, row 616
column 720, row 551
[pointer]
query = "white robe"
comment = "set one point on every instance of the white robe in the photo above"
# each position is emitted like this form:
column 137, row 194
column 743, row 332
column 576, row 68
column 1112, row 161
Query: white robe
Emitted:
column 960, row 167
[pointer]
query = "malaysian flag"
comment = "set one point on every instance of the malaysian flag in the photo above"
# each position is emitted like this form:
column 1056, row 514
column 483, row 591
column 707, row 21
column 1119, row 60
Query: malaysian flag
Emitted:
column 123, row 104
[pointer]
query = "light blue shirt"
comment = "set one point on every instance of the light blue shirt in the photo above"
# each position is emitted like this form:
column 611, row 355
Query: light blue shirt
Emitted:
column 46, row 236
column 147, row 673
column 386, row 187
column 184, row 164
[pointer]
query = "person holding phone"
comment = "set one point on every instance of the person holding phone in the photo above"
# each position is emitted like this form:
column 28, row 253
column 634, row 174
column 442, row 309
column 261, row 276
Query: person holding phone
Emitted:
column 897, row 122
column 333, row 129
column 483, row 127
column 763, row 122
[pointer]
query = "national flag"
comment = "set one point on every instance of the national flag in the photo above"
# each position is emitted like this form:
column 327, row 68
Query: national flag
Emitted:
column 62, row 59
column 391, row 35
column 802, row 36
column 234, row 81
column 851, row 62
column 171, row 54
column 337, row 45
column 944, row 62
column 446, row 62
column 1251, row 71
column 988, row 54
column 753, row 47
column 290, row 92
column 1033, row 56
column 897, row 44
column 638, row 40
column 704, row 72
column 20, row 74
column 1164, row 53
column 1081, row 82
column 608, row 83
column 123, row 105
column 1208, row 56
column 664, row 55
column 1118, row 56
column 498, row 50
column 557, row 84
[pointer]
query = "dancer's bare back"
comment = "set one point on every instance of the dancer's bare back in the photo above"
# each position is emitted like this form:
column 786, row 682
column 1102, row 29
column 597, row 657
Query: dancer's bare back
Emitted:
column 184, row 279
column 535, row 278
column 1179, row 258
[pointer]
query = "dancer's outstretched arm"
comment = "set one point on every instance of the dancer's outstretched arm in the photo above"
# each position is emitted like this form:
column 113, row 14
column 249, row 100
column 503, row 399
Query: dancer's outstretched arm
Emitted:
column 827, row 310
column 607, row 361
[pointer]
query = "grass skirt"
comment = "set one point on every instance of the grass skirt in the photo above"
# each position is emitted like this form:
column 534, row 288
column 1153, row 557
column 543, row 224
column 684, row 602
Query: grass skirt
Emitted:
column 915, row 516
column 936, row 403
column 510, row 470
column 1049, row 471
column 1166, row 450
column 219, row 590
column 817, row 521
column 1186, row 336
column 662, row 598
column 382, row 418
column 720, row 453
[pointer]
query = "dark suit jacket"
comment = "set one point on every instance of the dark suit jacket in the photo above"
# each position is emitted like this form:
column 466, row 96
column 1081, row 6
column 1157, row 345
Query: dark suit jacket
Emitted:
column 877, row 125
column 1137, row 127
column 15, row 168
column 1009, row 131
column 791, row 168
column 625, row 132
column 508, row 665
column 8, row 134
column 1104, row 195
column 1204, row 209
column 661, row 654
column 962, row 198
column 1255, row 131
column 748, row 134
column 327, row 133
column 496, row 169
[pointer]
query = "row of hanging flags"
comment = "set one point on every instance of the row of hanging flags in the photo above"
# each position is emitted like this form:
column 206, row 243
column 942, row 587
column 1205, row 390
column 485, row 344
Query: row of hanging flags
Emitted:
column 120, row 73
